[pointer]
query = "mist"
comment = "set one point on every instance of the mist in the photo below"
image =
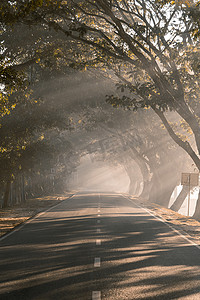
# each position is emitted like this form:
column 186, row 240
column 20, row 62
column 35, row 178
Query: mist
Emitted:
column 100, row 149
column 87, row 144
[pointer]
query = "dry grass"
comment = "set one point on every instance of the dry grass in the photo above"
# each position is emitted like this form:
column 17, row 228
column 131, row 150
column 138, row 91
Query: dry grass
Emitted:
column 184, row 224
column 13, row 216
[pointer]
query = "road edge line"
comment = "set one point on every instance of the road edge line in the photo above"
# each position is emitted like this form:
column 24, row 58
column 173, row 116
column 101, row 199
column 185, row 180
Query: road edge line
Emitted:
column 183, row 235
column 29, row 220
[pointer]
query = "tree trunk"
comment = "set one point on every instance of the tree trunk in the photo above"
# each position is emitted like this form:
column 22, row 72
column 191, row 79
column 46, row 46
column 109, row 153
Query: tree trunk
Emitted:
column 154, row 188
column 180, row 199
column 130, row 172
column 145, row 172
column 7, row 193
column 11, row 194
column 161, row 187
column 137, row 188
column 23, row 190
column 167, row 192
column 146, row 189
column 146, row 180
column 131, row 186
column 184, row 145
column 145, row 176
column 20, row 190
column 197, row 209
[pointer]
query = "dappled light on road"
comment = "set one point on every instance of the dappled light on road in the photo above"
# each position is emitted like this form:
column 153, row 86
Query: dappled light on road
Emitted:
column 52, row 256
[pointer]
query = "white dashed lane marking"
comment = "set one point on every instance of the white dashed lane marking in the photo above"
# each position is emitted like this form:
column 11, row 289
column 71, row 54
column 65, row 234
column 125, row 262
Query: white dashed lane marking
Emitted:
column 96, row 295
column 97, row 262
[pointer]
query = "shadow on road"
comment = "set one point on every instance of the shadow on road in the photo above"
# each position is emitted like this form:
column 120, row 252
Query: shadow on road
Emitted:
column 52, row 257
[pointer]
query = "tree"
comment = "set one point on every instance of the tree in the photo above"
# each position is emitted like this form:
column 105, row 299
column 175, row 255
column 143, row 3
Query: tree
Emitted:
column 191, row 9
column 136, row 42
column 136, row 137
column 123, row 31
column 145, row 40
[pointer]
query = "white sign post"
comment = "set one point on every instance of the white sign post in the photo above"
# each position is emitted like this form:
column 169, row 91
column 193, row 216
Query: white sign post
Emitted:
column 190, row 180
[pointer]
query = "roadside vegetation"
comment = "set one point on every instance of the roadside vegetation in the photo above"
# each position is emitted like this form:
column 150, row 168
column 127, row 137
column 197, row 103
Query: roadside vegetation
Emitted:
column 117, row 80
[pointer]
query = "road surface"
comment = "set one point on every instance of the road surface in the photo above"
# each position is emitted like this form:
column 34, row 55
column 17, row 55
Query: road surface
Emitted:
column 98, row 246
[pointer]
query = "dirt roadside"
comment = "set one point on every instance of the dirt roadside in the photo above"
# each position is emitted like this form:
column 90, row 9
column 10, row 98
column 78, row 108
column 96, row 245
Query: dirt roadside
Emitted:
column 14, row 216
column 187, row 226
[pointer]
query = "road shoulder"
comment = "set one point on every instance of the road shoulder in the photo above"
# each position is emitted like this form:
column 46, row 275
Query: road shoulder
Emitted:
column 14, row 216
column 186, row 225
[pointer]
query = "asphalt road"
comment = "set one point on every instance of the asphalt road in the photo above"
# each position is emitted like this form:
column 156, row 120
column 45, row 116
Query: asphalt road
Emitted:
column 98, row 246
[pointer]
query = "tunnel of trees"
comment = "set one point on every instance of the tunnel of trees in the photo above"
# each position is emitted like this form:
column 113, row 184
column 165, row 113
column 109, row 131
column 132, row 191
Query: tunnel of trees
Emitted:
column 118, row 80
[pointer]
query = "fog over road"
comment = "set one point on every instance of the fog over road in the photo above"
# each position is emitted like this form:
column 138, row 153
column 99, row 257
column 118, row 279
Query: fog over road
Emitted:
column 98, row 246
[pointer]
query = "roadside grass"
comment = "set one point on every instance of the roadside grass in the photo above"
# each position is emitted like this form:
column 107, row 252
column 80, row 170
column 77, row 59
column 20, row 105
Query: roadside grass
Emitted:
column 13, row 216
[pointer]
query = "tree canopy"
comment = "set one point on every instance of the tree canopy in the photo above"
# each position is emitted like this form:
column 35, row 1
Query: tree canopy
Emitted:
column 150, row 49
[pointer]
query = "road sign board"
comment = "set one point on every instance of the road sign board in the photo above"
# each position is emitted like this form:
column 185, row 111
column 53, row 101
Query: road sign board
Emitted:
column 190, row 179
column 185, row 178
column 194, row 179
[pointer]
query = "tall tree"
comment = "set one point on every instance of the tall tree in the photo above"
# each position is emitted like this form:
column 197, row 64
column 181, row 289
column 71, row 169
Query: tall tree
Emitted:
column 149, row 43
column 146, row 38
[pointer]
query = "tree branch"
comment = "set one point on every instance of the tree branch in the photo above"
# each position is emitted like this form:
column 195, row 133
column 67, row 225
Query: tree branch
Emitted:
column 184, row 145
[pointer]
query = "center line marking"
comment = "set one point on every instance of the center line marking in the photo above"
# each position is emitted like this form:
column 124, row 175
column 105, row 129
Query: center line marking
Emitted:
column 96, row 295
column 97, row 262
column 98, row 242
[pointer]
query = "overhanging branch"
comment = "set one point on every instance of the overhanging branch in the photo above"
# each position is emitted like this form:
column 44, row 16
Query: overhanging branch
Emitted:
column 184, row 145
